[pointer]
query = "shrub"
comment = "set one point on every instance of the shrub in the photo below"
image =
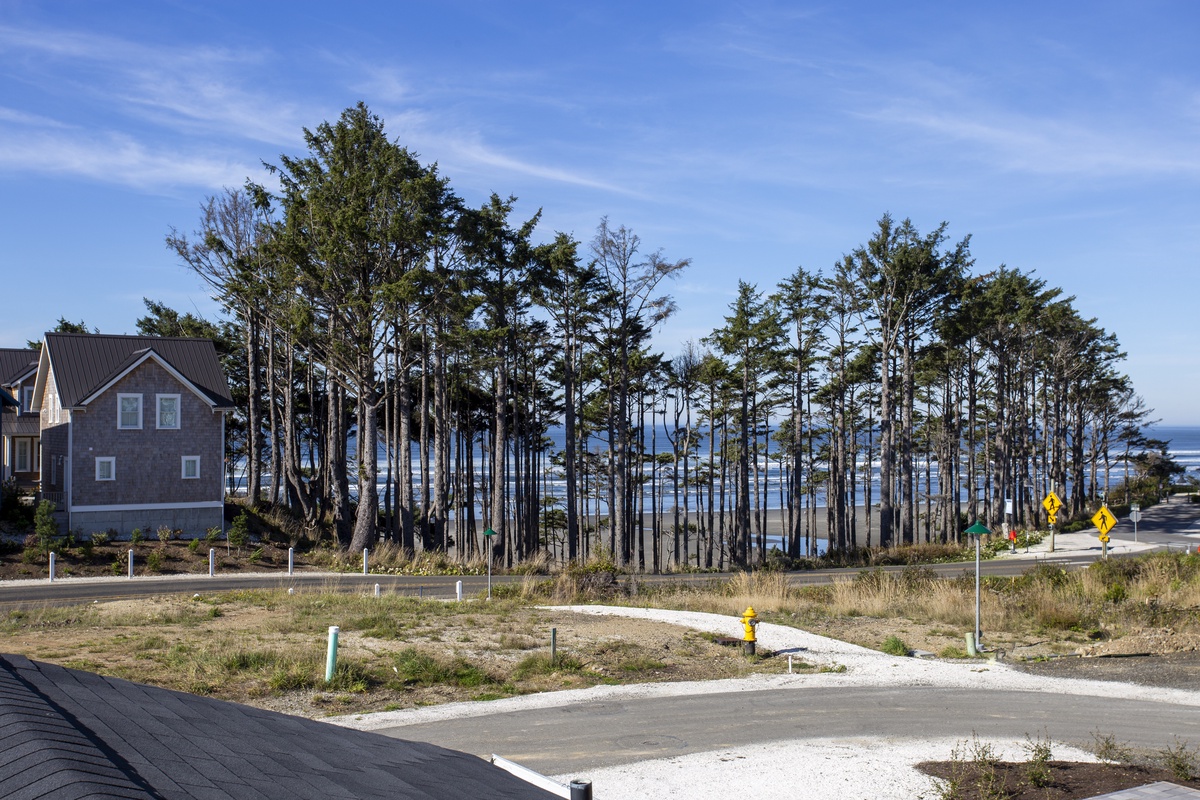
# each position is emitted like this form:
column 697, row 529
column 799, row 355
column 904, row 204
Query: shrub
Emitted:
column 101, row 538
column 154, row 561
column 212, row 535
column 193, row 546
column 1037, row 769
column 164, row 534
column 894, row 646
column 1108, row 748
column 239, row 532
column 45, row 527
column 1180, row 760
column 135, row 536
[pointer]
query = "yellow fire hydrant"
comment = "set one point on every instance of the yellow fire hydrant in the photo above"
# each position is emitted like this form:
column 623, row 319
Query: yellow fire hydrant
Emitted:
column 749, row 622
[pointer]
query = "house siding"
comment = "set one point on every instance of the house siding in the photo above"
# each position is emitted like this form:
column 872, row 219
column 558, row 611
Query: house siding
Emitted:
column 54, row 441
column 148, row 467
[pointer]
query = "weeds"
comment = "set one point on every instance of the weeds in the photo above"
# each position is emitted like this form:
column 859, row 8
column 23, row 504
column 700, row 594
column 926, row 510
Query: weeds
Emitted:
column 1037, row 767
column 894, row 646
column 1180, row 760
column 1107, row 747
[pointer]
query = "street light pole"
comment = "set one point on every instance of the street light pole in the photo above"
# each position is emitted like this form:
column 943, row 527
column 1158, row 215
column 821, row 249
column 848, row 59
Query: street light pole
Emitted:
column 978, row 530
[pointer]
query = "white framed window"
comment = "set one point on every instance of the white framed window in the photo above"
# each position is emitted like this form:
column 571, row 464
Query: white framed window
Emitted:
column 26, row 399
column 129, row 411
column 191, row 467
column 168, row 411
column 106, row 468
column 21, row 456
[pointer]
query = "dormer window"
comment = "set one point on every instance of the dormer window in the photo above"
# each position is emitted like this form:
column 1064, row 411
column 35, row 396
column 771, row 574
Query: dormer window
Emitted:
column 168, row 412
column 129, row 411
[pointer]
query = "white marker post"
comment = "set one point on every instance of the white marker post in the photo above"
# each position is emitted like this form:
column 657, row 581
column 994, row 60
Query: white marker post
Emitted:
column 212, row 562
column 487, row 538
column 331, row 653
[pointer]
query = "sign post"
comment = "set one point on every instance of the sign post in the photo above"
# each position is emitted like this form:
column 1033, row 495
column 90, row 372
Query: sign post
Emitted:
column 487, row 537
column 978, row 530
column 1135, row 514
column 1104, row 522
column 1052, row 504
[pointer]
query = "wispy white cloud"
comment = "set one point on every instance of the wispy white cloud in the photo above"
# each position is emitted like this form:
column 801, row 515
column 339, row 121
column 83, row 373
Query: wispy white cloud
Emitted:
column 24, row 118
column 187, row 89
column 1047, row 146
column 118, row 159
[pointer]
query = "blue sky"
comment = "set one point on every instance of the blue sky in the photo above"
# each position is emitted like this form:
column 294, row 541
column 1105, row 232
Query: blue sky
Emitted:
column 750, row 137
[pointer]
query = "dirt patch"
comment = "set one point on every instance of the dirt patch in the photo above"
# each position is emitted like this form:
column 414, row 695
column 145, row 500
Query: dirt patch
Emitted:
column 268, row 649
column 1064, row 780
column 1170, row 670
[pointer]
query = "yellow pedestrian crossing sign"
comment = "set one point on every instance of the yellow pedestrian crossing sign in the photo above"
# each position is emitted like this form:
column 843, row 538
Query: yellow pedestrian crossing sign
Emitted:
column 1052, row 504
column 1104, row 522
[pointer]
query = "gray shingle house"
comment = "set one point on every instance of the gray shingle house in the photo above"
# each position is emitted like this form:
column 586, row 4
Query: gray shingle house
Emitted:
column 132, row 432
column 20, row 434
column 74, row 734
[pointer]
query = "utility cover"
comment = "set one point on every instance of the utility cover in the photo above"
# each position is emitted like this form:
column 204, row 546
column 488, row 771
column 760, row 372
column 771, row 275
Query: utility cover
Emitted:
column 1104, row 520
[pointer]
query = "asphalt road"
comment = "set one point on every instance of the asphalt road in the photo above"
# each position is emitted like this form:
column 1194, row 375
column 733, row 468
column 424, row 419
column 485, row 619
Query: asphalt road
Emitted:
column 574, row 739
column 1166, row 525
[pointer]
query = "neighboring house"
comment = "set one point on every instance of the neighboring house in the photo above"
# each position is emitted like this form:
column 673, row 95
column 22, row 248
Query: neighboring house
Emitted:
column 20, row 434
column 132, row 432
column 69, row 733
column 6, row 400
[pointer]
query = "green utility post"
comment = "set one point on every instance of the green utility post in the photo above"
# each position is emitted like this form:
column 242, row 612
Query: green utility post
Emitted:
column 978, row 530
column 487, row 537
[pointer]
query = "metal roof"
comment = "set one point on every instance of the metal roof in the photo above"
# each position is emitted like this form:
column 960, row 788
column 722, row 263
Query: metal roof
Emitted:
column 15, row 362
column 69, row 733
column 19, row 424
column 84, row 362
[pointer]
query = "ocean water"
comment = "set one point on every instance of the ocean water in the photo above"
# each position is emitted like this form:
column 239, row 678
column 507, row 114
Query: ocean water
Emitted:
column 1184, row 447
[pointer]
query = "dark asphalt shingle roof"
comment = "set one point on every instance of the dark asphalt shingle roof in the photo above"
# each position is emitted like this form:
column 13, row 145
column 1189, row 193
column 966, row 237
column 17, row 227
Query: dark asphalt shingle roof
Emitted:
column 84, row 362
column 65, row 733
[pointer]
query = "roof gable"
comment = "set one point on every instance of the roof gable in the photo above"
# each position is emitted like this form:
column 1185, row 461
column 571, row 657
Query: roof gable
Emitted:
column 7, row 399
column 135, row 360
column 83, row 364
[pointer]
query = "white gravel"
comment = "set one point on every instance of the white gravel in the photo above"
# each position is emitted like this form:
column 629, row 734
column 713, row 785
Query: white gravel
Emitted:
column 861, row 767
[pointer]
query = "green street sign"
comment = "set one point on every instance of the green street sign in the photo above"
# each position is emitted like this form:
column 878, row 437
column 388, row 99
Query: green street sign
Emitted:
column 489, row 532
column 978, row 529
